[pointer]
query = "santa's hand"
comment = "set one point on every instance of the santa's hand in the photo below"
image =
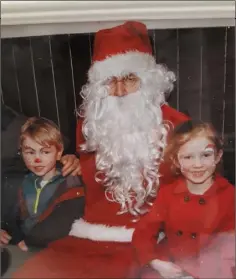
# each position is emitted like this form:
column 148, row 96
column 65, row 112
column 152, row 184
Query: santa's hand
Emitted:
column 166, row 269
column 22, row 246
column 4, row 237
column 71, row 165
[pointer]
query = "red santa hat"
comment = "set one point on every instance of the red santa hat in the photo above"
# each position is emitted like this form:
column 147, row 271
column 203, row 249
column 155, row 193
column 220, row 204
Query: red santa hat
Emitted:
column 121, row 50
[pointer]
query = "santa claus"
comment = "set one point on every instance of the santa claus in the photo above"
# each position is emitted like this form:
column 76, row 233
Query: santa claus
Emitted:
column 121, row 134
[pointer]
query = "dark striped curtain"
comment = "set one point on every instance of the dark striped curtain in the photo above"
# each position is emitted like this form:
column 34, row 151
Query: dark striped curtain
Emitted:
column 44, row 75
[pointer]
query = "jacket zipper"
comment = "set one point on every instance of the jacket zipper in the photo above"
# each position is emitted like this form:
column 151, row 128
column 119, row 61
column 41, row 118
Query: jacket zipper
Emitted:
column 38, row 192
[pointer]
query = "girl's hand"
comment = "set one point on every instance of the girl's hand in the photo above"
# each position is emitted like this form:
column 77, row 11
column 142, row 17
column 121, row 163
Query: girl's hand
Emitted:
column 166, row 269
column 4, row 237
column 22, row 246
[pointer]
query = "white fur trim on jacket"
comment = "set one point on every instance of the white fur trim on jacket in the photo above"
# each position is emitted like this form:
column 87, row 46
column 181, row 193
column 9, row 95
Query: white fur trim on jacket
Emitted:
column 121, row 64
column 100, row 232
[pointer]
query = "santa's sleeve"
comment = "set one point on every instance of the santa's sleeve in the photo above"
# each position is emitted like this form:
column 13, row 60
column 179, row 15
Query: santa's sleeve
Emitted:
column 145, row 235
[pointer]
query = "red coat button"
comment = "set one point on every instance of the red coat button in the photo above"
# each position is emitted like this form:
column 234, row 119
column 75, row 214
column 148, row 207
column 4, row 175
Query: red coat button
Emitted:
column 186, row 198
column 193, row 235
column 179, row 233
column 202, row 201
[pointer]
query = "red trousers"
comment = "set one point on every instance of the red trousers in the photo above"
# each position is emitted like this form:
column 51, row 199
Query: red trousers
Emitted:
column 72, row 257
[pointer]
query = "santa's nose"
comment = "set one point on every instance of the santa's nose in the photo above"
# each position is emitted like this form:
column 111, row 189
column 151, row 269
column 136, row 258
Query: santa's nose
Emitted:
column 37, row 160
column 119, row 89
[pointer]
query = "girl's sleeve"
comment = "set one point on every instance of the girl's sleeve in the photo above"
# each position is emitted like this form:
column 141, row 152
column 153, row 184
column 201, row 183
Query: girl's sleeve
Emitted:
column 228, row 223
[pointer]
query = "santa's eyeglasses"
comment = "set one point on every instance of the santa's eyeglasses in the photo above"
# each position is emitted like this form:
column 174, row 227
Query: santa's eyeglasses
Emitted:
column 127, row 80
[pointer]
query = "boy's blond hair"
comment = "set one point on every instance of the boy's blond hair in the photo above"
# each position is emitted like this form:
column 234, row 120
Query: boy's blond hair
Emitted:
column 45, row 132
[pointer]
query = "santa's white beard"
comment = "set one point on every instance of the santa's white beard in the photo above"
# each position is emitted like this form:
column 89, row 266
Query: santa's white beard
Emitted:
column 128, row 136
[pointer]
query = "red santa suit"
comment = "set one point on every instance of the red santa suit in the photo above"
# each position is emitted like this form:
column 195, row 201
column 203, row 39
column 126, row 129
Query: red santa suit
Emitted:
column 99, row 245
column 200, row 230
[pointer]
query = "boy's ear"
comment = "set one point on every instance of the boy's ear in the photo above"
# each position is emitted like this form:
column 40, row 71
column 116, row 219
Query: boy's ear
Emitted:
column 59, row 154
column 219, row 156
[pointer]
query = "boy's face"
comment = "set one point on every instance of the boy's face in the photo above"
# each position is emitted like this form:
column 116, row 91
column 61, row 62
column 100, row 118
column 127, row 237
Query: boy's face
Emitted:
column 198, row 159
column 40, row 159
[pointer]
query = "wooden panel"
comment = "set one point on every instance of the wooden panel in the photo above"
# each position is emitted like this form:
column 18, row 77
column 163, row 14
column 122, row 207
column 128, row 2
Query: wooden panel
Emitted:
column 203, row 60
column 26, row 78
column 9, row 80
column 80, row 51
column 65, row 91
column 229, row 96
column 45, row 78
column 152, row 37
column 190, row 71
column 166, row 52
column 213, row 78
column 91, row 45
column 229, row 110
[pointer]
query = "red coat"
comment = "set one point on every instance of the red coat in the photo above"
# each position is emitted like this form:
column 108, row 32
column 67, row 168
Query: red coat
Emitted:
column 199, row 229
column 101, row 243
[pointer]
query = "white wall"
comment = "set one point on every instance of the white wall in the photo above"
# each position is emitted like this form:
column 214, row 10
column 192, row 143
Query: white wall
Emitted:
column 34, row 18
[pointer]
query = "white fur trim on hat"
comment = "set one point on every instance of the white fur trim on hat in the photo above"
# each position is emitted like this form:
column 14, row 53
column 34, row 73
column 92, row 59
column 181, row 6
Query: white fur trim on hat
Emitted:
column 121, row 64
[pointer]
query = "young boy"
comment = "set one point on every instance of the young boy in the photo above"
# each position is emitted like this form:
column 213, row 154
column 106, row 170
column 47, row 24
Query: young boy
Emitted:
column 48, row 202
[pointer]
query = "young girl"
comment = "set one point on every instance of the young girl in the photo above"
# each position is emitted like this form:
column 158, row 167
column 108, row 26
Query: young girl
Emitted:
column 196, row 212
column 48, row 202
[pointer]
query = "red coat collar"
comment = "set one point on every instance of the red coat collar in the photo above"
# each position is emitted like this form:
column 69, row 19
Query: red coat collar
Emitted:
column 219, row 184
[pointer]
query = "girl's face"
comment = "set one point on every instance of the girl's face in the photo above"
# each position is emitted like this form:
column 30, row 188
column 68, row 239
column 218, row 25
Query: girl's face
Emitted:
column 197, row 160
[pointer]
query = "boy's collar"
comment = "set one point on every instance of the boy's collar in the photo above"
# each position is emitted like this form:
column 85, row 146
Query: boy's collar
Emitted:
column 56, row 176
